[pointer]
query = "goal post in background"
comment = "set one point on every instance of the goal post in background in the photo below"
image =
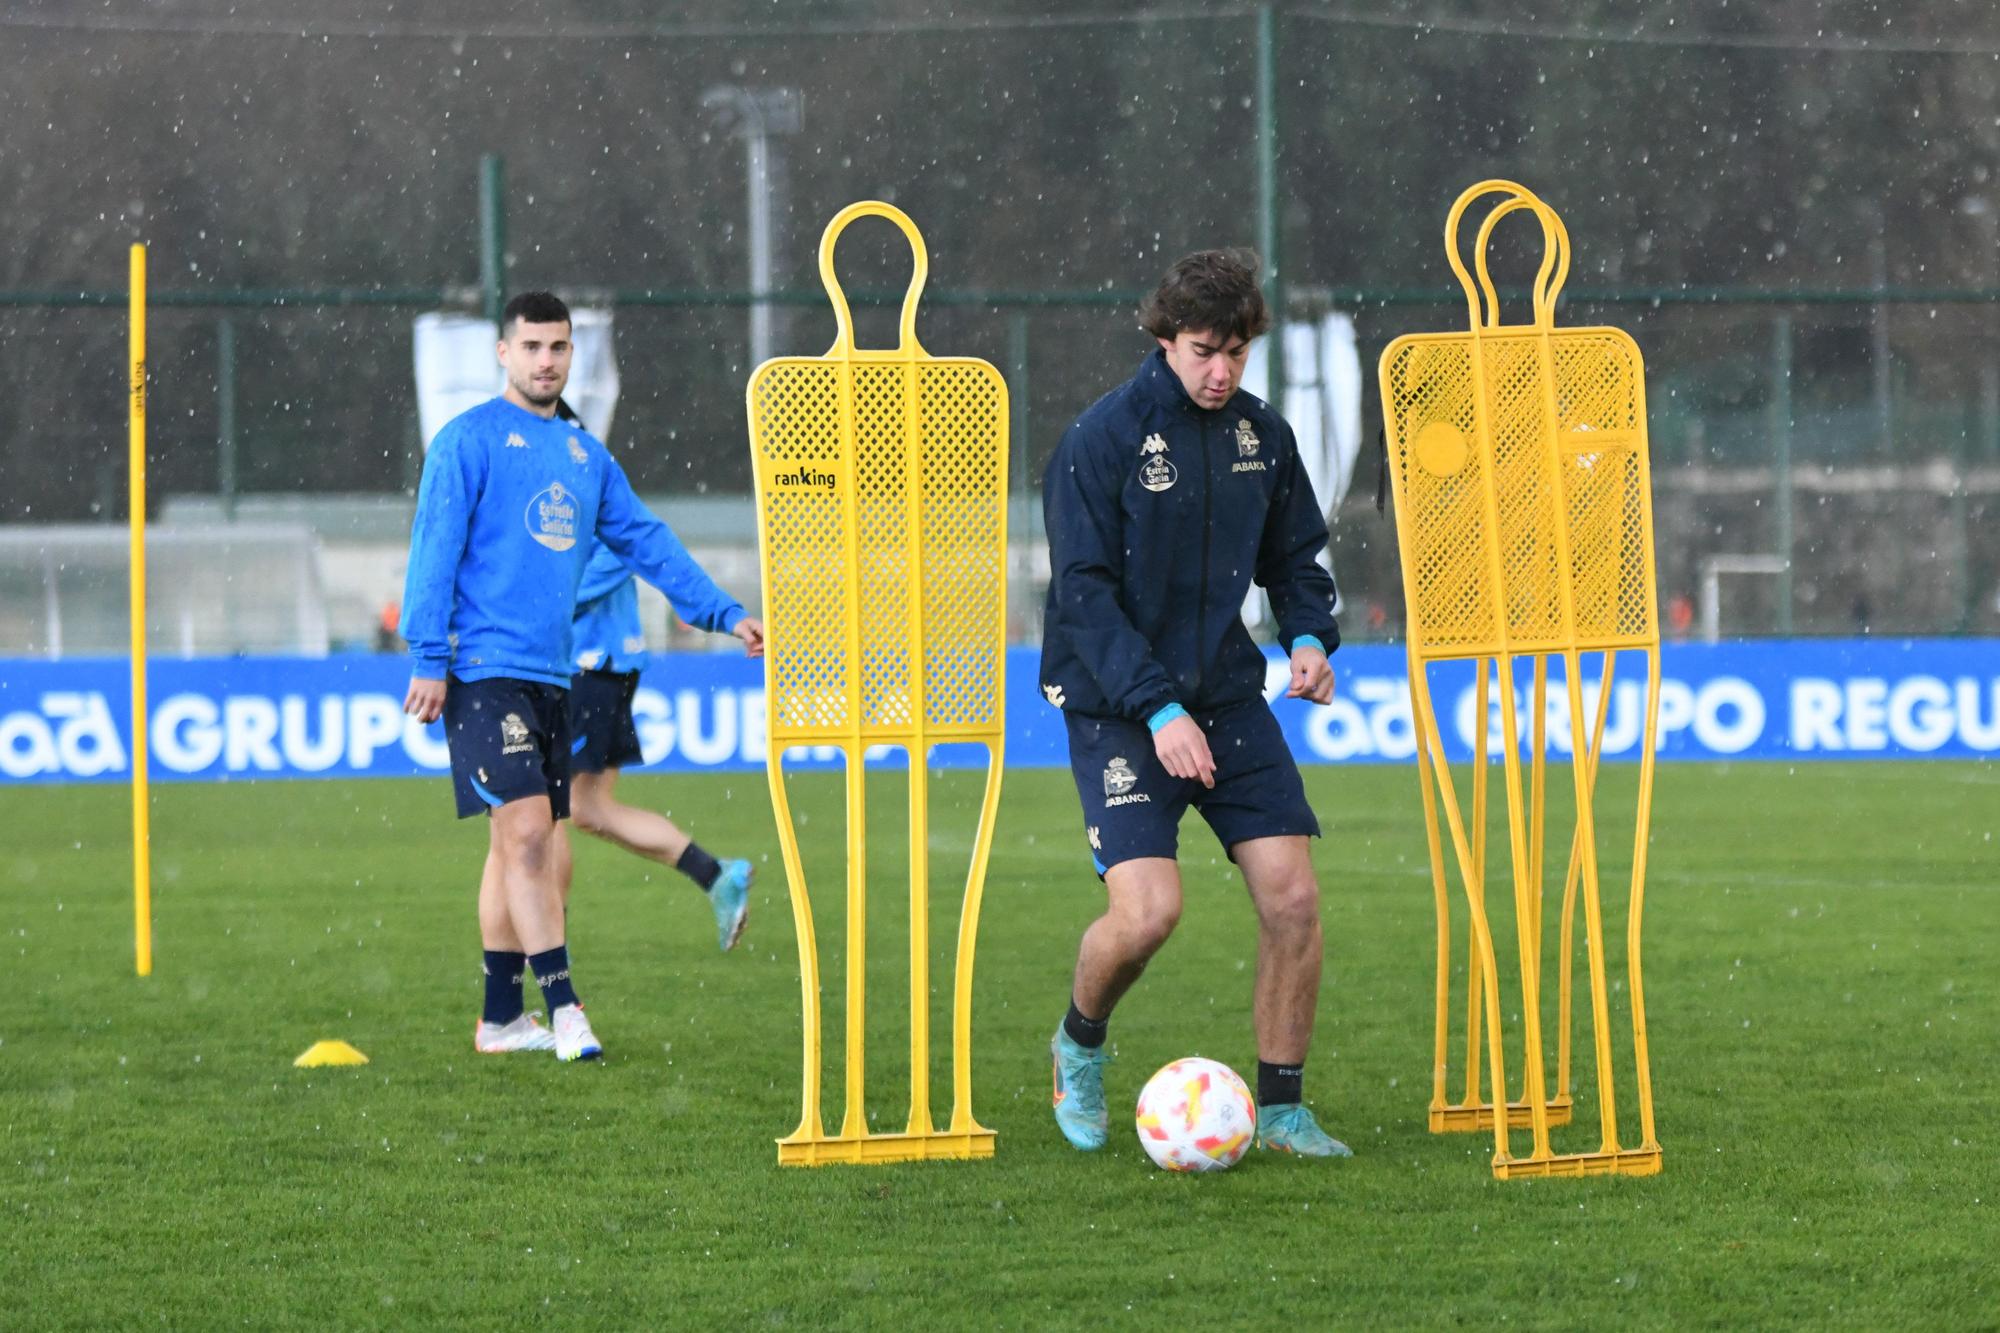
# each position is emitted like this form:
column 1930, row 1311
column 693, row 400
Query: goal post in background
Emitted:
column 1518, row 460
column 881, row 523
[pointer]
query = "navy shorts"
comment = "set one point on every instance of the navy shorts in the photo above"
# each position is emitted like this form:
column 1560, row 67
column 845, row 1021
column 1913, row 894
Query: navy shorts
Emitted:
column 600, row 721
column 509, row 740
column 1132, row 806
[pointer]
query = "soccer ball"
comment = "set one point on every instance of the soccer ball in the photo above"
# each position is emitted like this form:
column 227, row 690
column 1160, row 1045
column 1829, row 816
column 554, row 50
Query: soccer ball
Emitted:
column 1196, row 1115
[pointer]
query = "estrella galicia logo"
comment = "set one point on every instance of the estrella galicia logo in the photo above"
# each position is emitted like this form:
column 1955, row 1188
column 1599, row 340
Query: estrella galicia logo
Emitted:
column 803, row 475
column 551, row 518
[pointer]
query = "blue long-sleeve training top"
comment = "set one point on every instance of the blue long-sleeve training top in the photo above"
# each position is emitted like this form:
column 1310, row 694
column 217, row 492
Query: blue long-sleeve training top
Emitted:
column 1160, row 514
column 509, row 503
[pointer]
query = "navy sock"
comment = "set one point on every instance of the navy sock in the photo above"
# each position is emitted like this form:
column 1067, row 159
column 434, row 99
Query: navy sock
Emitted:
column 503, row 985
column 700, row 867
column 551, row 968
column 1085, row 1032
column 1280, row 1085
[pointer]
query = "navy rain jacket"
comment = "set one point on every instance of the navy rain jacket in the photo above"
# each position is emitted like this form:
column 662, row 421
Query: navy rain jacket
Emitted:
column 1160, row 513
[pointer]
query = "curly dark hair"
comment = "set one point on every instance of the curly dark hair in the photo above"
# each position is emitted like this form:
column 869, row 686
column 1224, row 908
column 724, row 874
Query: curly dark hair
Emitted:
column 1212, row 291
column 536, row 308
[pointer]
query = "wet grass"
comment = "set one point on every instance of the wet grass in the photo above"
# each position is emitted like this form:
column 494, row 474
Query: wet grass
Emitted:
column 1821, row 995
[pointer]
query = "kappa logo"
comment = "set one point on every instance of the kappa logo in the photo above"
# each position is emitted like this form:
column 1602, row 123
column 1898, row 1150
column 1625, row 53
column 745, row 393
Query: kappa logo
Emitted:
column 1096, row 843
column 514, row 441
column 514, row 738
column 577, row 452
column 551, row 518
column 1246, row 439
column 1154, row 444
column 1054, row 694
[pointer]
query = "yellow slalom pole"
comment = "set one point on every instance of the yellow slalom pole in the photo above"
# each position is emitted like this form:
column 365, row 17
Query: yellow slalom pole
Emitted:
column 142, row 859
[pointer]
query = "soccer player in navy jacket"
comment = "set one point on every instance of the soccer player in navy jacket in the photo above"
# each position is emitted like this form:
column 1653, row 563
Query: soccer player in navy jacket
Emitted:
column 1164, row 501
column 512, row 492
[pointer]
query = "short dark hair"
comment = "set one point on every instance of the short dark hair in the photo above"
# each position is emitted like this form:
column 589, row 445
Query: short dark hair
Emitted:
column 1212, row 291
column 536, row 308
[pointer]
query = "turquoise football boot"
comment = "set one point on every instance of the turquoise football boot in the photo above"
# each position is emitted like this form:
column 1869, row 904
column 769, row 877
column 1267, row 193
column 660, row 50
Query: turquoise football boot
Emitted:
column 730, row 897
column 1079, row 1092
column 1291, row 1128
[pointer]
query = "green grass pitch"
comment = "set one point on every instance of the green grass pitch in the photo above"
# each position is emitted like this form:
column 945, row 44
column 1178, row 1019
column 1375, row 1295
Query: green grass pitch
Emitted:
column 1820, row 978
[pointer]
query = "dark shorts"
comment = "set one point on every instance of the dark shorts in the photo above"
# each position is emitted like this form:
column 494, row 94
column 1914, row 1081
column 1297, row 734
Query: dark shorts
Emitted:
column 600, row 721
column 1132, row 806
column 509, row 740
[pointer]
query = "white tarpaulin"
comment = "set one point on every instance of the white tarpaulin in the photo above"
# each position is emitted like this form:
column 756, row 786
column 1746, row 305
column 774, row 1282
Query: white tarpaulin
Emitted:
column 457, row 369
column 1323, row 405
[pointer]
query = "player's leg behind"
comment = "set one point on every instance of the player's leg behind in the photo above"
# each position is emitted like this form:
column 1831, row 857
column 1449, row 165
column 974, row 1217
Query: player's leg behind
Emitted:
column 600, row 714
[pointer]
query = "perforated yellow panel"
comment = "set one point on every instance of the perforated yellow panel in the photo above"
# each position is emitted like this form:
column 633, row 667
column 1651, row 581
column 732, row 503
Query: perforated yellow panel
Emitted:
column 1517, row 457
column 933, row 554
column 881, row 491
column 1548, row 442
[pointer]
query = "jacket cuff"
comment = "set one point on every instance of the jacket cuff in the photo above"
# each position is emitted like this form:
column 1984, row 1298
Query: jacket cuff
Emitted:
column 430, row 668
column 731, row 618
column 1164, row 716
column 1309, row 641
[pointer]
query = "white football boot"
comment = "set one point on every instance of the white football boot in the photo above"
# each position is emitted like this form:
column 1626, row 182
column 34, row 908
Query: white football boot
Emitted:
column 525, row 1033
column 574, row 1040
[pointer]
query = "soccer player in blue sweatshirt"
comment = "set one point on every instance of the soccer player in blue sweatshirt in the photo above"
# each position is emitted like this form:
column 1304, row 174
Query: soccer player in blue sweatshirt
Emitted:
column 512, row 494
column 1164, row 501
column 608, row 649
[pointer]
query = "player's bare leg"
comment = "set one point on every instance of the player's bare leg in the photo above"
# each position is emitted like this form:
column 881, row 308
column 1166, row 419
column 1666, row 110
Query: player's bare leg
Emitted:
column 1290, row 951
column 496, row 924
column 1144, row 908
column 523, row 840
column 1279, row 875
column 647, row 833
column 504, row 1026
column 532, row 852
column 594, row 809
column 1144, row 905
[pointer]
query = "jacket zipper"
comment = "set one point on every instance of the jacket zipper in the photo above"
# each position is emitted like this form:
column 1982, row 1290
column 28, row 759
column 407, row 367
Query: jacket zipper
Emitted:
column 1201, row 589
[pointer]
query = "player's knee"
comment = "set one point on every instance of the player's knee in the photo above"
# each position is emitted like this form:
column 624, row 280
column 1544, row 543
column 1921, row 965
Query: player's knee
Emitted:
column 1291, row 905
column 527, row 847
column 588, row 816
column 1151, row 924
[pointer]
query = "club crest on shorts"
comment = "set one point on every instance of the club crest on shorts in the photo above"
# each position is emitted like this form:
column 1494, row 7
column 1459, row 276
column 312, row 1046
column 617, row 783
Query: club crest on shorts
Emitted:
column 514, row 738
column 1156, row 472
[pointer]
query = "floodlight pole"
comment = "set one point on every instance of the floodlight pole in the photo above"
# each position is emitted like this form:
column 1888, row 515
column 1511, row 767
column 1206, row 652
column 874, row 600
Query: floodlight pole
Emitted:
column 755, row 114
column 492, row 235
column 1267, row 203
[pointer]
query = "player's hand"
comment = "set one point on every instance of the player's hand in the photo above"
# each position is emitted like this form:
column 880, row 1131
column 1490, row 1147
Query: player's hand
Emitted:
column 1312, row 676
column 425, row 701
column 1183, row 750
column 751, row 631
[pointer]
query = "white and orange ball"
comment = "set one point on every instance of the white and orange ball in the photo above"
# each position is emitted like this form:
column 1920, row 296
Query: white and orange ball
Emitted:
column 1196, row 1115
